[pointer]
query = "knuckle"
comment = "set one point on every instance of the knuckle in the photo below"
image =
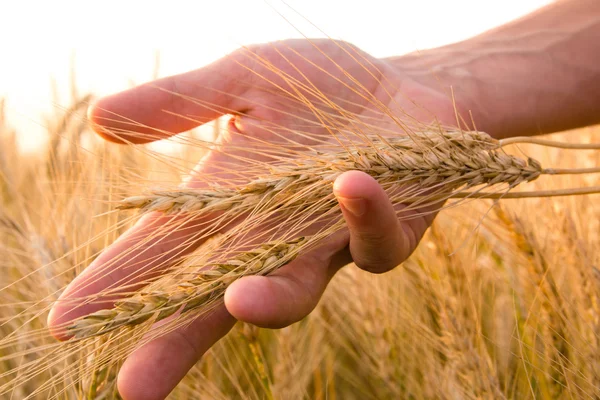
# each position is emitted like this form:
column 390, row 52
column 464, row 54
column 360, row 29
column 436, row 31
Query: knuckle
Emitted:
column 376, row 252
column 370, row 238
column 376, row 263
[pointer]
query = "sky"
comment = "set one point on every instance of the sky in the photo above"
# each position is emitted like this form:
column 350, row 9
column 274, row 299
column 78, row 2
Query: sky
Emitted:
column 111, row 45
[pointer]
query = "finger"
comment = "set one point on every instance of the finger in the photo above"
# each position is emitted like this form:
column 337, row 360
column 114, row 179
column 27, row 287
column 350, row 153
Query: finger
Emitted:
column 292, row 292
column 153, row 371
column 171, row 105
column 378, row 241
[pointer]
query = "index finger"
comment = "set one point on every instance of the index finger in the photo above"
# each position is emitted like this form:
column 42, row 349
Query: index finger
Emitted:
column 171, row 105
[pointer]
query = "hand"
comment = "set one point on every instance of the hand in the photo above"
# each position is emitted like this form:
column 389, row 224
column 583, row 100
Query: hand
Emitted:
column 245, row 85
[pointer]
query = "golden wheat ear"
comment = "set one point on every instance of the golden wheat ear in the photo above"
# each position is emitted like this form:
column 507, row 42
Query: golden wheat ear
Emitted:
column 202, row 290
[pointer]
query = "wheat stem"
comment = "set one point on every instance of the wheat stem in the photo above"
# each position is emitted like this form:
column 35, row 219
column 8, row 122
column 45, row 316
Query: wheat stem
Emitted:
column 570, row 171
column 549, row 143
column 531, row 194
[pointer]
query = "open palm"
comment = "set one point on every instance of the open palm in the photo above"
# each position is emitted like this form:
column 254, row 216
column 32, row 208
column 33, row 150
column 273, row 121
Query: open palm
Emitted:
column 274, row 91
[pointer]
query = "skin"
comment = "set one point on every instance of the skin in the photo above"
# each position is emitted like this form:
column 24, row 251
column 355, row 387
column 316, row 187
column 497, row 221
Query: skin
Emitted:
column 507, row 82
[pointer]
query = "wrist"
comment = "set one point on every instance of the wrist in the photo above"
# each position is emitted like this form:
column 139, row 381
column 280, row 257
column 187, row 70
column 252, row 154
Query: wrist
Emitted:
column 443, row 85
column 539, row 74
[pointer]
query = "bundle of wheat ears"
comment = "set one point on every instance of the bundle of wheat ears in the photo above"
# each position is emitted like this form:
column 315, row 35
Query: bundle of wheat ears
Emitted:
column 283, row 203
column 432, row 166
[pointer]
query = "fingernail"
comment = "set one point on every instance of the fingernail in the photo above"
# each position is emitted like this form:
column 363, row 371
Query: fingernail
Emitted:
column 356, row 207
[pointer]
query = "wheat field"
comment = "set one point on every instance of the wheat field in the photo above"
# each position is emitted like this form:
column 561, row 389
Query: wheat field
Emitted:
column 500, row 299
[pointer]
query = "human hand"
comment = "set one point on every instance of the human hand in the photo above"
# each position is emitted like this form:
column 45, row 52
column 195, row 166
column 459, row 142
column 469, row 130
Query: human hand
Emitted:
column 248, row 87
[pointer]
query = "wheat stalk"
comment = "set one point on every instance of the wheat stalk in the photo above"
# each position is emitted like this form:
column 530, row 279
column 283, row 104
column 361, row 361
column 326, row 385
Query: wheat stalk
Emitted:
column 208, row 285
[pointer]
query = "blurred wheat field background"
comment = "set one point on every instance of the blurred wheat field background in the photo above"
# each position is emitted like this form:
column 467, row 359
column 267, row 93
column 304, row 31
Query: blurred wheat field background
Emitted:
column 500, row 300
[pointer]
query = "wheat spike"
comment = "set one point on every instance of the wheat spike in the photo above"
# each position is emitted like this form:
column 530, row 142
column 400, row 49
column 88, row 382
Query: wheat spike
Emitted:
column 208, row 285
column 450, row 159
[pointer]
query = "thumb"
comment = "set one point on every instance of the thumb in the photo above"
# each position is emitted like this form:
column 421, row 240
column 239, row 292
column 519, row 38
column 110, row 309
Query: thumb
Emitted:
column 378, row 240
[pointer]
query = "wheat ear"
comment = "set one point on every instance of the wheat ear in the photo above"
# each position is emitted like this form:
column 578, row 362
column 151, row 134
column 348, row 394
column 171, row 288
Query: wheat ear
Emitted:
column 449, row 159
column 208, row 285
